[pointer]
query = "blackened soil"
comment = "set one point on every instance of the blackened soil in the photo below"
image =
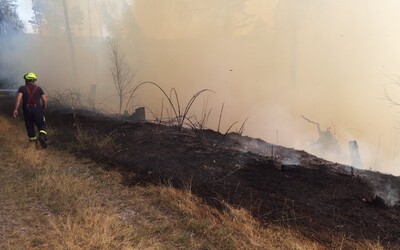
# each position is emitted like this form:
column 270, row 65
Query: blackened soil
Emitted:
column 323, row 200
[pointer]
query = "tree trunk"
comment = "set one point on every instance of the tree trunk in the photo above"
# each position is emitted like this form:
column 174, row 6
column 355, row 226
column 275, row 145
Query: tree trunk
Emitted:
column 69, row 37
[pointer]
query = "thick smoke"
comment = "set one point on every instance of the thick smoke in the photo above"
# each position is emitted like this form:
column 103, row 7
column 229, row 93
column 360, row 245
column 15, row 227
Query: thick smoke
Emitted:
column 271, row 61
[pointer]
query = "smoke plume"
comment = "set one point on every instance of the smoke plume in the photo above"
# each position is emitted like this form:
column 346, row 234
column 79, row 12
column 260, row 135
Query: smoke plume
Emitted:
column 271, row 61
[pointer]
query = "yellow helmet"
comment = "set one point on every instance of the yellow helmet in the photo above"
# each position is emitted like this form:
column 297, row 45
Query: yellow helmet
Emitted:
column 30, row 76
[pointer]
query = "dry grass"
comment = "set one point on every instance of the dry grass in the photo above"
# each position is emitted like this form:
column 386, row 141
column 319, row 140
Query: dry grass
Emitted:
column 206, row 228
column 52, row 200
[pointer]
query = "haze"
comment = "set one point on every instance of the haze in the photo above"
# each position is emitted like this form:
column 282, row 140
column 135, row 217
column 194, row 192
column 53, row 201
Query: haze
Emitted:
column 271, row 61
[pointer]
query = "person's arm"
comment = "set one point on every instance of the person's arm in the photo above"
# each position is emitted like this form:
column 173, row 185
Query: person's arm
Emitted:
column 16, row 105
column 44, row 101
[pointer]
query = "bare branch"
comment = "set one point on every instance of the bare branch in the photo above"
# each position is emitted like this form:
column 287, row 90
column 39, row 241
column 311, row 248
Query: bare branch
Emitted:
column 391, row 101
column 121, row 73
column 319, row 128
column 241, row 130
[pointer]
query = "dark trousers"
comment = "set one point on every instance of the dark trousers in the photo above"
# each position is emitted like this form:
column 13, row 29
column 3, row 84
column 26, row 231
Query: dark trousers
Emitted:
column 34, row 116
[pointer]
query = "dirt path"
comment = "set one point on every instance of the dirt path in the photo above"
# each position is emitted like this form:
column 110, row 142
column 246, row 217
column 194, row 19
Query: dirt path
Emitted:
column 51, row 198
column 23, row 220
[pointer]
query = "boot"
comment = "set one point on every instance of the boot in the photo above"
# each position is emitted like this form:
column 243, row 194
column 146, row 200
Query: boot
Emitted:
column 42, row 139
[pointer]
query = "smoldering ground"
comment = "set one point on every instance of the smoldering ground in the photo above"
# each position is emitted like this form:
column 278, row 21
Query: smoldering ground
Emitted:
column 271, row 61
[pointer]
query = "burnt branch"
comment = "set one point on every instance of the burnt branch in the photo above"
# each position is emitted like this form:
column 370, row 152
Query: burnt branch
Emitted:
column 305, row 118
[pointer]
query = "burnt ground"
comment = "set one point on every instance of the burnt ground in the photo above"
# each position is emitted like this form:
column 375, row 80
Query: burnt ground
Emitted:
column 323, row 200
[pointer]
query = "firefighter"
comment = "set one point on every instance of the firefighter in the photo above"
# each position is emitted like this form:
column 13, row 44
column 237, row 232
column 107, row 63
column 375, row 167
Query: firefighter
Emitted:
column 34, row 102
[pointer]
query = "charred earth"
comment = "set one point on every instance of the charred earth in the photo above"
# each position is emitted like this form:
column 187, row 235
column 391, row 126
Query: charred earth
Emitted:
column 278, row 185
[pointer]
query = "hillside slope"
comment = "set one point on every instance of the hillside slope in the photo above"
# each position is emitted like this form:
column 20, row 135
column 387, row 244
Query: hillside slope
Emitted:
column 51, row 199
column 278, row 186
column 158, row 187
